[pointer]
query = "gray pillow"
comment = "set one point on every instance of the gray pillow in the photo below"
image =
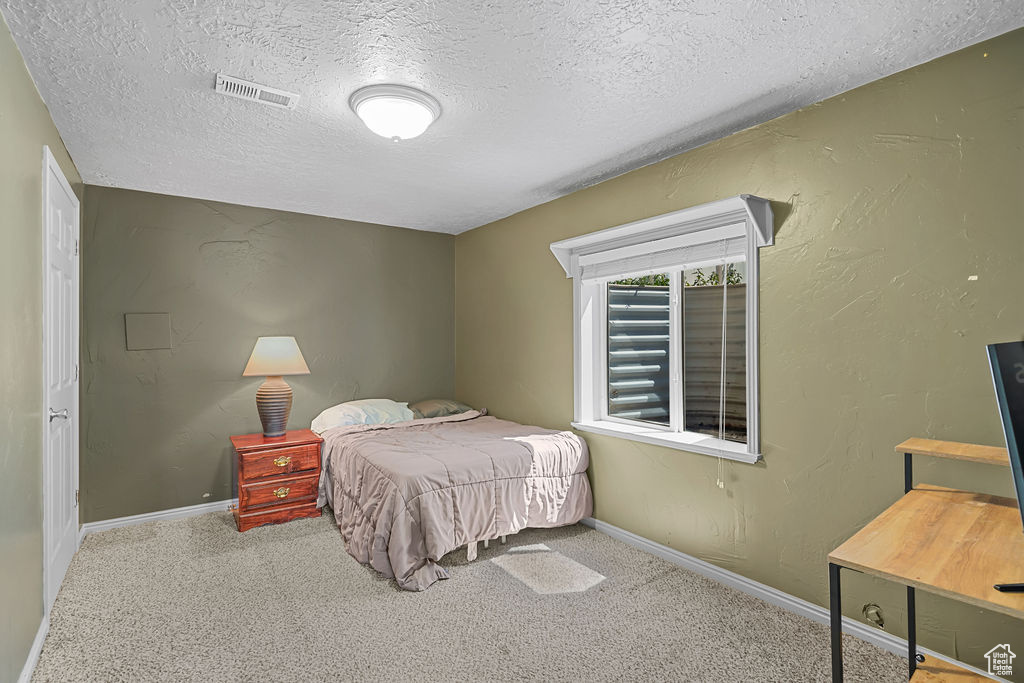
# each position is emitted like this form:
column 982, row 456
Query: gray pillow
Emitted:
column 438, row 407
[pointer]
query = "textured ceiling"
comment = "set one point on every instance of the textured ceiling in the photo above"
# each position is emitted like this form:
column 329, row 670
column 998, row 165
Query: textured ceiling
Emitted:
column 540, row 97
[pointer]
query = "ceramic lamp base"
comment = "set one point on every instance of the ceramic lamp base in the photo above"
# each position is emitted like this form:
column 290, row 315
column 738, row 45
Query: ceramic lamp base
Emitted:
column 274, row 403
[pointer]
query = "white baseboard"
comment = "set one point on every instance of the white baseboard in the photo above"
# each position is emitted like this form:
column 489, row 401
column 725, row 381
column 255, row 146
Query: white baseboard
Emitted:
column 791, row 603
column 159, row 515
column 35, row 650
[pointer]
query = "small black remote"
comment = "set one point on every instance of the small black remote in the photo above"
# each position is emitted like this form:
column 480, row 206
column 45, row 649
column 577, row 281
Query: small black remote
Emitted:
column 1010, row 587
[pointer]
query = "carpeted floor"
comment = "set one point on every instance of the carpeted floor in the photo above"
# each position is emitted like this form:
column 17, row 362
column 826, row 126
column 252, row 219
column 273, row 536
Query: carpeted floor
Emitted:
column 194, row 600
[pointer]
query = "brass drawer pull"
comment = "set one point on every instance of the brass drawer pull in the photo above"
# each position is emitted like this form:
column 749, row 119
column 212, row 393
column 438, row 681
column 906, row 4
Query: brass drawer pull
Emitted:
column 282, row 460
column 282, row 492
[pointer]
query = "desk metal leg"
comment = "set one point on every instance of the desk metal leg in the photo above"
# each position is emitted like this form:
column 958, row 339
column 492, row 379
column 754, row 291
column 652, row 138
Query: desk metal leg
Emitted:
column 836, row 622
column 908, row 472
column 911, row 631
column 912, row 656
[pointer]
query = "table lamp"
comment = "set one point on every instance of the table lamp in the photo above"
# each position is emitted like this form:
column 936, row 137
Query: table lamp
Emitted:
column 275, row 357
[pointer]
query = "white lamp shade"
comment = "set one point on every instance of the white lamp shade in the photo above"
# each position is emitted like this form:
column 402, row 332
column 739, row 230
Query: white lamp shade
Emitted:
column 275, row 356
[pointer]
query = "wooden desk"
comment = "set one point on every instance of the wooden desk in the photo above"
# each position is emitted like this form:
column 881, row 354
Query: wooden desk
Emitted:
column 953, row 543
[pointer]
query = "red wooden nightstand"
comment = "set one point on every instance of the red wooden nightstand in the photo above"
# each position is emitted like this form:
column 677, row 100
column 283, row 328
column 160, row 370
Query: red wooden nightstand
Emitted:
column 277, row 477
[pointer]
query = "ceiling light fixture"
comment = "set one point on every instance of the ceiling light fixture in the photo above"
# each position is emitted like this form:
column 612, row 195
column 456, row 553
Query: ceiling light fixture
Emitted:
column 392, row 111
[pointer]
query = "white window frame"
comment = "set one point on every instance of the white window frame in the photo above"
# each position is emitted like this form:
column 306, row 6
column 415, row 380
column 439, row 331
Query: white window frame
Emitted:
column 743, row 216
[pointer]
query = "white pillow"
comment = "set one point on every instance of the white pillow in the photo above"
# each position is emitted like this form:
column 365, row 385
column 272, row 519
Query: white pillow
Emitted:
column 368, row 411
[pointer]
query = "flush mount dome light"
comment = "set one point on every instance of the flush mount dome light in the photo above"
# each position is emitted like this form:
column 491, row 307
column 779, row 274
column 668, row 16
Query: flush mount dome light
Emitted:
column 397, row 112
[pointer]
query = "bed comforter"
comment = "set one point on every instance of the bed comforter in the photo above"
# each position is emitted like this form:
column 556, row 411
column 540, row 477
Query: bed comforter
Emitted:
column 405, row 494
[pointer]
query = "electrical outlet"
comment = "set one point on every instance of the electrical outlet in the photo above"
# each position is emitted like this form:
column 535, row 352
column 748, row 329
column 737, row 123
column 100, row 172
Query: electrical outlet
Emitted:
column 873, row 613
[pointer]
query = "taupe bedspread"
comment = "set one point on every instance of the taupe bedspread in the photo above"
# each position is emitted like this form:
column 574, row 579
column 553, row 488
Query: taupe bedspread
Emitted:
column 405, row 494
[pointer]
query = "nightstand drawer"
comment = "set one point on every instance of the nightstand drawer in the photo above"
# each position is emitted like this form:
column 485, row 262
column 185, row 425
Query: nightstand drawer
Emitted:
column 275, row 515
column 280, row 491
column 279, row 461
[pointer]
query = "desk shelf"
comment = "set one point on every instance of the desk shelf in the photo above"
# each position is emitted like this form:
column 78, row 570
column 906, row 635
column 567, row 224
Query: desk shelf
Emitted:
column 989, row 455
column 941, row 671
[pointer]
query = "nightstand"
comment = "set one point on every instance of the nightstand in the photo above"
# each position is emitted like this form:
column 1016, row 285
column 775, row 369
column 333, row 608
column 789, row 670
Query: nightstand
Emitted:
column 278, row 477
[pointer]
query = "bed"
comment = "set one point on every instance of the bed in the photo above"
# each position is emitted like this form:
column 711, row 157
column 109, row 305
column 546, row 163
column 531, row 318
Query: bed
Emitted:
column 404, row 494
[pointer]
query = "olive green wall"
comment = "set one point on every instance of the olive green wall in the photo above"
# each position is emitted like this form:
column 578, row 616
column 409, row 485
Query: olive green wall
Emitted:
column 25, row 126
column 887, row 199
column 371, row 308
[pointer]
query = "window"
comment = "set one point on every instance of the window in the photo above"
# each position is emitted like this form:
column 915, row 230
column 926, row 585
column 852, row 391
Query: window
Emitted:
column 637, row 373
column 666, row 327
column 714, row 340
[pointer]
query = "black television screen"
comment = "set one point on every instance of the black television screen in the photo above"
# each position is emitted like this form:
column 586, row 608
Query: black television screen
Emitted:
column 1007, row 362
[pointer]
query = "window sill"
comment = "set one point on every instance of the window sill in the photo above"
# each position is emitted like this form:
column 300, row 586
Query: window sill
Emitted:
column 683, row 441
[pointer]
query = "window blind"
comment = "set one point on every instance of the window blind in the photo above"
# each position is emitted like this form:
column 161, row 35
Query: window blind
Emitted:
column 684, row 257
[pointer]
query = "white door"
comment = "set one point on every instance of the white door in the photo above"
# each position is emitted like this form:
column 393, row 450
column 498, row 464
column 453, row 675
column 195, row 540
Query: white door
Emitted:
column 60, row 374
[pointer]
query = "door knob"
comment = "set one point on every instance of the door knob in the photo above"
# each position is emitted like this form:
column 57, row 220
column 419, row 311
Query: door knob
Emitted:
column 54, row 414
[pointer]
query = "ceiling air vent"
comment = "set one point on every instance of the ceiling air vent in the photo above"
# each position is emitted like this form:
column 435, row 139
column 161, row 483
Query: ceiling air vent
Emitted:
column 254, row 92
